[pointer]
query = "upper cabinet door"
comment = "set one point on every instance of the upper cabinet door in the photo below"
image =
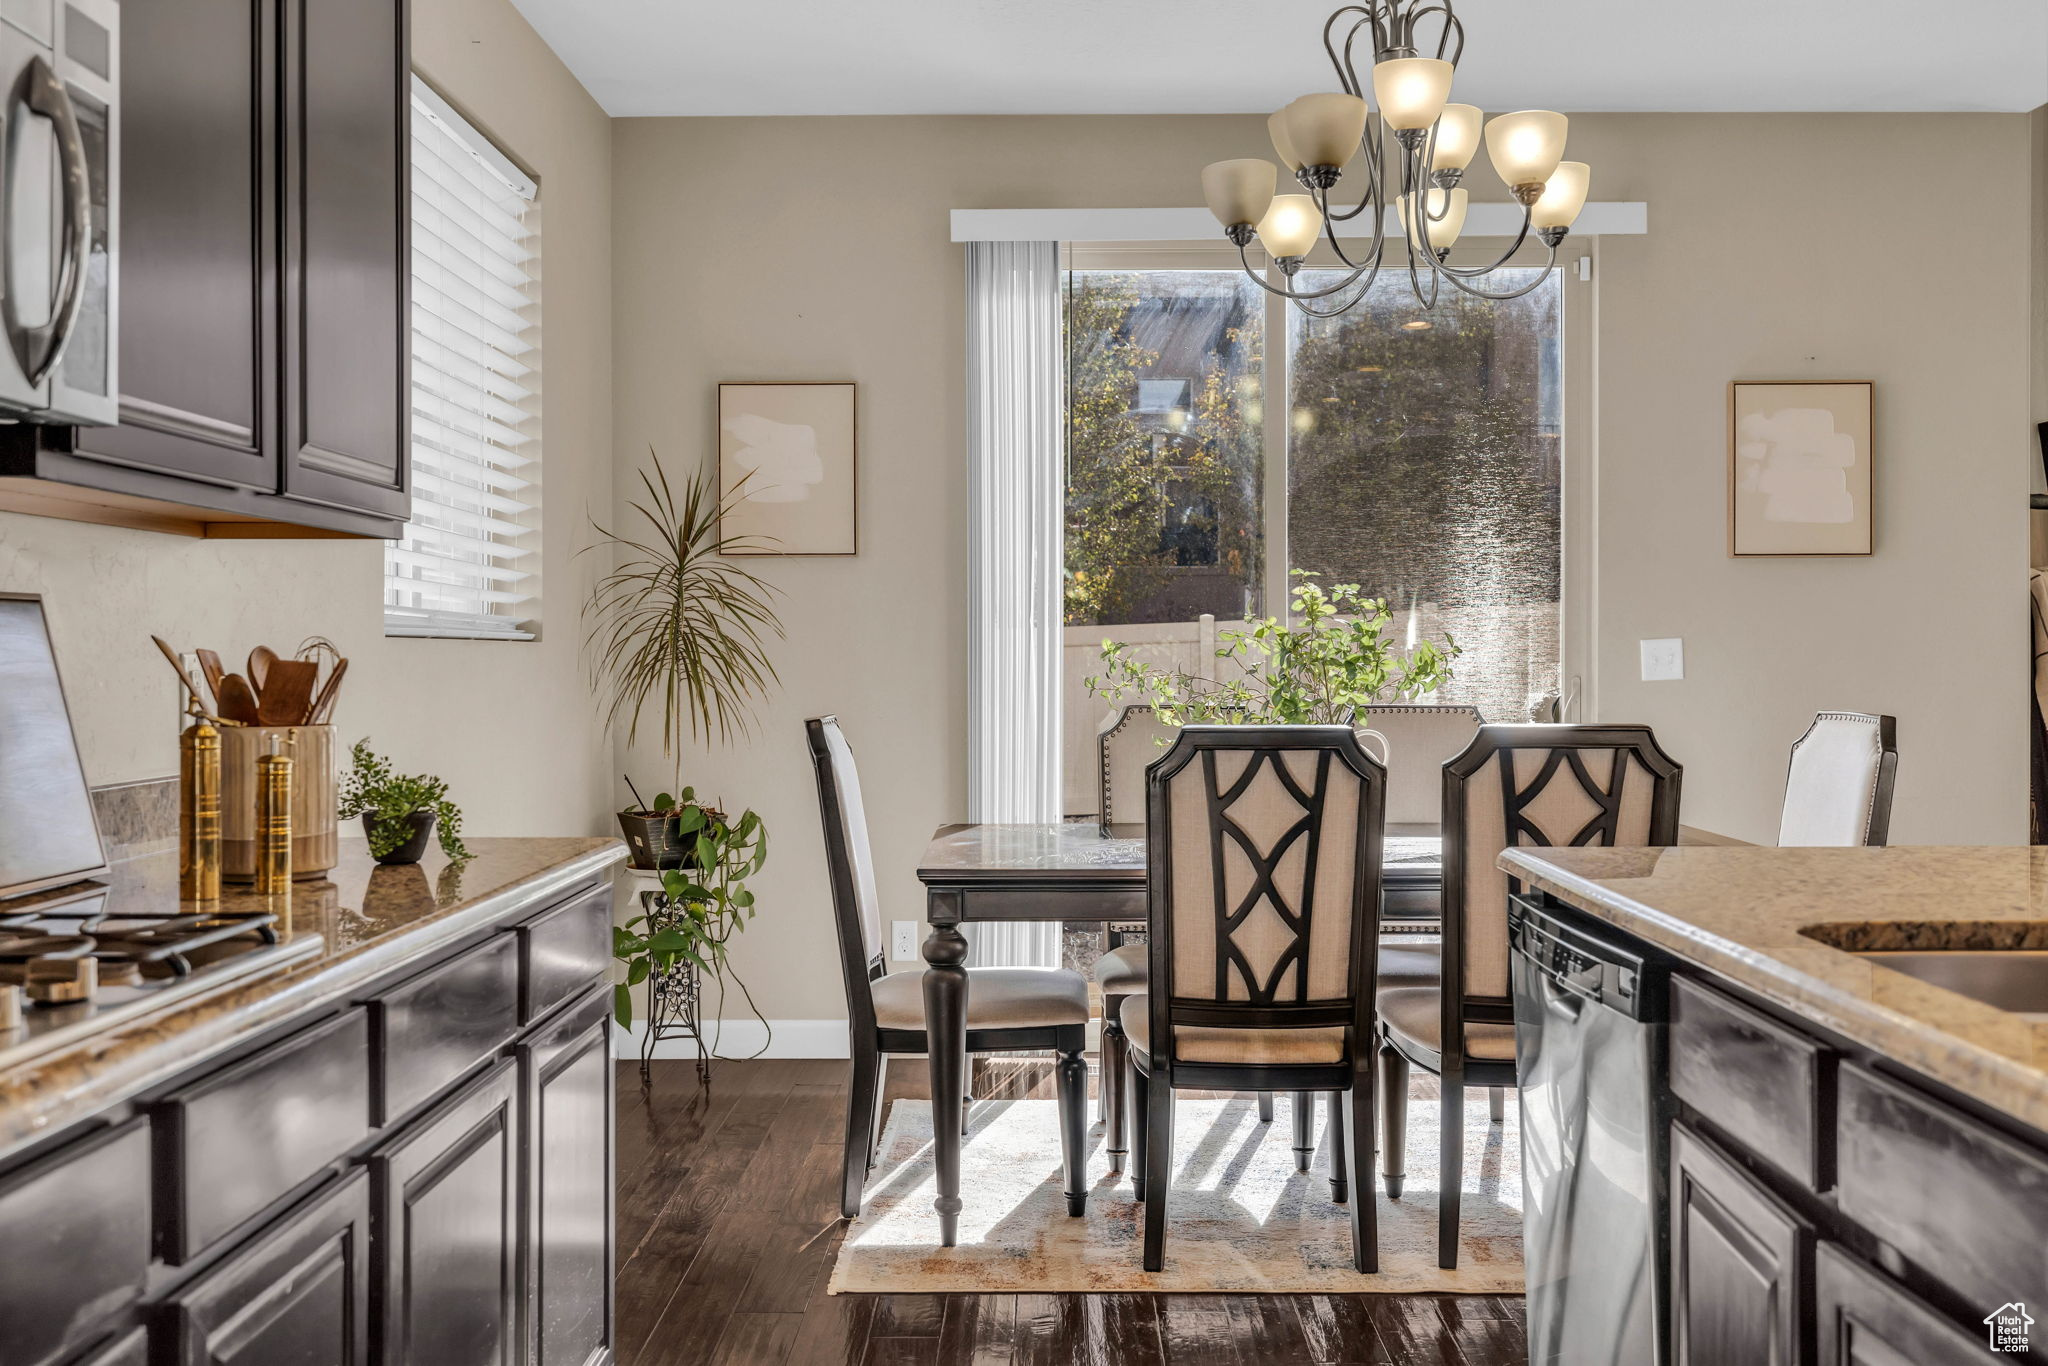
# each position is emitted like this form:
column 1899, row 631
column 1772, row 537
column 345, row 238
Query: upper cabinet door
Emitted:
column 347, row 323
column 198, row 244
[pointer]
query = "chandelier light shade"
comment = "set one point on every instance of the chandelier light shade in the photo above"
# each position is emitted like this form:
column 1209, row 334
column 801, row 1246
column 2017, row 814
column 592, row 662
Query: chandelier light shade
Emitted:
column 1445, row 217
column 1564, row 194
column 1289, row 229
column 1396, row 132
column 1457, row 137
column 1526, row 147
column 1239, row 191
column 1276, row 128
column 1325, row 130
column 1411, row 91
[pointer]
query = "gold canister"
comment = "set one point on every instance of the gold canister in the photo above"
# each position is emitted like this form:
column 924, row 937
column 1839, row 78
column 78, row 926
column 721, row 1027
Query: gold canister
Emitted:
column 273, row 824
column 316, row 837
column 199, row 856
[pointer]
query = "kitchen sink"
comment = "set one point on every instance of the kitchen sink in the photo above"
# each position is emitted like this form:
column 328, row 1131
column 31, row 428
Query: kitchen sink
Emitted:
column 2006, row 979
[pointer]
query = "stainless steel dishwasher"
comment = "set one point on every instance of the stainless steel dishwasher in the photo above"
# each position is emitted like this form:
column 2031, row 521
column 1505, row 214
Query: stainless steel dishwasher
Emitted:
column 1589, row 1041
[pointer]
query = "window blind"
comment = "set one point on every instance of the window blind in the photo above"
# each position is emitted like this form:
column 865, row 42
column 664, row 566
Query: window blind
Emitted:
column 468, row 563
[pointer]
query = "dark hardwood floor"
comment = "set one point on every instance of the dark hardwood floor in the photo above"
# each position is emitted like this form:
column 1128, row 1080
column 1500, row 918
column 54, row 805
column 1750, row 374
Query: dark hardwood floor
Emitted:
column 728, row 1222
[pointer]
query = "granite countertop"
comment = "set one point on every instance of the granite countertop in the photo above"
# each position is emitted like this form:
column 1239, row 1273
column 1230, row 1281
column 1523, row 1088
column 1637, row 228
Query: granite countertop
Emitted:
column 356, row 923
column 1780, row 922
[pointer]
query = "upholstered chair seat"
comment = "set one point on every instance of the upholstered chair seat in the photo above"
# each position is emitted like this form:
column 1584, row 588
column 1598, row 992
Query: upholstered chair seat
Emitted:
column 1121, row 971
column 1271, row 1047
column 1416, row 1016
column 998, row 998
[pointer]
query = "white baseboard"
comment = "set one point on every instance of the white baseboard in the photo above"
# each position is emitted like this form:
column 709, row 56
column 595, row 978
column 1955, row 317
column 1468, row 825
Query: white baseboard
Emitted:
column 741, row 1038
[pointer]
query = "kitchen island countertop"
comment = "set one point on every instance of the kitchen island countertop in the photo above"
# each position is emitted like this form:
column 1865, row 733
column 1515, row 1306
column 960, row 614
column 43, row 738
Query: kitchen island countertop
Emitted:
column 359, row 922
column 1781, row 922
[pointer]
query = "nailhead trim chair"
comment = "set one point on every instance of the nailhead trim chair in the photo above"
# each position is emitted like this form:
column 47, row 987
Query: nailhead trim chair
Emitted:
column 1838, row 787
column 1528, row 785
column 1008, row 1009
column 1264, row 893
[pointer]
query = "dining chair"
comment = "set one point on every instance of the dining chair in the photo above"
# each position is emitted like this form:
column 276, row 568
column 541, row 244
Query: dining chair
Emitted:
column 1127, row 744
column 1009, row 1010
column 1514, row 785
column 1264, row 890
column 1838, row 787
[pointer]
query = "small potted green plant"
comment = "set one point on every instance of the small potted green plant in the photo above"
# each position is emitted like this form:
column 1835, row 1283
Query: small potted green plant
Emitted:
column 662, row 833
column 399, row 812
column 683, row 929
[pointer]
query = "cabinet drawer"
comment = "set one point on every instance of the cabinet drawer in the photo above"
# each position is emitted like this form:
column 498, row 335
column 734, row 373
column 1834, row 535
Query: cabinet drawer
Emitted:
column 432, row 1028
column 74, row 1243
column 1756, row 1080
column 1866, row 1319
column 249, row 1134
column 565, row 952
column 1964, row 1202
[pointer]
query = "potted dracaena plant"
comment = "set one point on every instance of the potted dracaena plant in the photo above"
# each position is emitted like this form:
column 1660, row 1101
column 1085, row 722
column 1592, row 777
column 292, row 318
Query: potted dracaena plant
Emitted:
column 676, row 626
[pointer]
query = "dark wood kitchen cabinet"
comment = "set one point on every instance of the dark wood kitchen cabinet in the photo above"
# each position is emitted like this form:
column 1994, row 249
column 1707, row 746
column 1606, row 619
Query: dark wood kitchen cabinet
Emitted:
column 264, row 259
column 1740, row 1263
column 260, row 1210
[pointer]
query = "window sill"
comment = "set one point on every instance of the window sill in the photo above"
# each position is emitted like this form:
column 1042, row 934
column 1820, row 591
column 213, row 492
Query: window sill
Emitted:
column 454, row 633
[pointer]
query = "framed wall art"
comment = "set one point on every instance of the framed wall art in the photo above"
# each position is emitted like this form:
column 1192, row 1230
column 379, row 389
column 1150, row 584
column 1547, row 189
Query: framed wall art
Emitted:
column 1799, row 467
column 786, row 467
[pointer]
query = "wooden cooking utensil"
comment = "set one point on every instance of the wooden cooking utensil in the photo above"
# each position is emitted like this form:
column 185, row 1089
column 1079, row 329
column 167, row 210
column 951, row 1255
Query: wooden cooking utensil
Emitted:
column 323, row 705
column 238, row 700
column 177, row 664
column 260, row 660
column 209, row 664
column 286, row 697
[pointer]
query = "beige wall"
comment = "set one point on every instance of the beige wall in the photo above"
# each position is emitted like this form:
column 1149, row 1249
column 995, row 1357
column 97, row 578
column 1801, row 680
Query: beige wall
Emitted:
column 818, row 249
column 508, row 724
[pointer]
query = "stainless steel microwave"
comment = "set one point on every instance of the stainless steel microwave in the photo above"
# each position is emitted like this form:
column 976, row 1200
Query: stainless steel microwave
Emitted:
column 59, row 210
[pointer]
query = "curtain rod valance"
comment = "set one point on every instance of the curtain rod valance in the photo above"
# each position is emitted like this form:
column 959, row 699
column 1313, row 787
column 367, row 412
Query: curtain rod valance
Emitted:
column 1610, row 219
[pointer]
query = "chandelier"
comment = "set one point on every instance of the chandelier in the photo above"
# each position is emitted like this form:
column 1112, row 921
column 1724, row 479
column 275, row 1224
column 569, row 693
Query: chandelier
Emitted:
column 1318, row 136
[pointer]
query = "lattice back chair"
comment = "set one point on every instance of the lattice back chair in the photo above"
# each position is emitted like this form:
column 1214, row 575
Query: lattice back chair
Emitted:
column 1838, row 788
column 1264, row 892
column 1008, row 1009
column 1541, row 785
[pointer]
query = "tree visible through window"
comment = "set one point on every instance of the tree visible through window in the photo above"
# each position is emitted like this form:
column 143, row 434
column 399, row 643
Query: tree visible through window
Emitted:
column 1422, row 462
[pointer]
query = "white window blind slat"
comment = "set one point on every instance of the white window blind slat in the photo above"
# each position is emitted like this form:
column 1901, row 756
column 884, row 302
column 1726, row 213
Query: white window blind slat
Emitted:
column 468, row 564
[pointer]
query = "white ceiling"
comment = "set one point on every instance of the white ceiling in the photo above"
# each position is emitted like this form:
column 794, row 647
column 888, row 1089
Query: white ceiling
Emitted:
column 643, row 57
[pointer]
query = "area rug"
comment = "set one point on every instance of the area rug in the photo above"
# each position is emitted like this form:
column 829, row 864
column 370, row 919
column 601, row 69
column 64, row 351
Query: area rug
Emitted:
column 1239, row 1217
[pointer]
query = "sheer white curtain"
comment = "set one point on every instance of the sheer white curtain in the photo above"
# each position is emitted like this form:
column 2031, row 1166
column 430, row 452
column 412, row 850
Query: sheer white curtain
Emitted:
column 1016, row 427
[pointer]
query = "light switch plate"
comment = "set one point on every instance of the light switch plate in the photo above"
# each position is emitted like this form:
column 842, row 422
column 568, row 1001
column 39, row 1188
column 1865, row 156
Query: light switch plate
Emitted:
column 903, row 940
column 1663, row 660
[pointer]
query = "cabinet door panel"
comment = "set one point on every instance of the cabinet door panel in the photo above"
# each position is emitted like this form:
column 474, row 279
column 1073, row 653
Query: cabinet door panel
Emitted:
column 198, row 358
column 298, row 1296
column 346, row 386
column 448, row 1231
column 1739, row 1264
column 568, row 1083
column 74, row 1243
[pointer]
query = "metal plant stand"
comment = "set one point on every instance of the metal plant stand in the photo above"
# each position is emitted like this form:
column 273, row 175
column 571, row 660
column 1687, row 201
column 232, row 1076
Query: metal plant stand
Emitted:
column 673, row 998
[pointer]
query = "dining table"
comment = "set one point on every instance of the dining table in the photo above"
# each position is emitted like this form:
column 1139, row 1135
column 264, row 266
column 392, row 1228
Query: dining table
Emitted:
column 1079, row 871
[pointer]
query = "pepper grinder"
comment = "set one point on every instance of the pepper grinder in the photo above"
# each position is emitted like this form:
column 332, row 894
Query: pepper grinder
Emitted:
column 199, row 853
column 273, row 823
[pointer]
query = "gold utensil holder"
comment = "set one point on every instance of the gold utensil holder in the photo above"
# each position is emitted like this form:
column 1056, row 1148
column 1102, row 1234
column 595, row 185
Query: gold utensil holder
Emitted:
column 316, row 837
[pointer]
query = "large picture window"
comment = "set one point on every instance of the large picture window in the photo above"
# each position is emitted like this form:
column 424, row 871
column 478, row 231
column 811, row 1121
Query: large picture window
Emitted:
column 1419, row 455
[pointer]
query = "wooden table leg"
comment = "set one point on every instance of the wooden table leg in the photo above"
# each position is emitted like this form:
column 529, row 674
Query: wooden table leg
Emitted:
column 945, row 1022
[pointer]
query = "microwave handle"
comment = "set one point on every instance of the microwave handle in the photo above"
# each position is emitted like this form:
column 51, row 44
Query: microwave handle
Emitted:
column 38, row 349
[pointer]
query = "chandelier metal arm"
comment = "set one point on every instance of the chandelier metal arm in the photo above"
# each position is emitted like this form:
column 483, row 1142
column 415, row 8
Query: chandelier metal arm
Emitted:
column 1542, row 274
column 1474, row 272
column 1298, row 295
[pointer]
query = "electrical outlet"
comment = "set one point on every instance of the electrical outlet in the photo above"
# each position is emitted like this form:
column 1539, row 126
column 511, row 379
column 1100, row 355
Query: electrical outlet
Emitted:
column 1663, row 660
column 903, row 940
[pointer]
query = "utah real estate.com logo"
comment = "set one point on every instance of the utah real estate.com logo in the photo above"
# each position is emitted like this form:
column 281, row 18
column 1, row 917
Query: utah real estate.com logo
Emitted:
column 2006, row 1327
